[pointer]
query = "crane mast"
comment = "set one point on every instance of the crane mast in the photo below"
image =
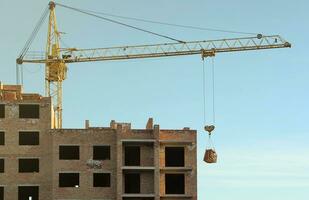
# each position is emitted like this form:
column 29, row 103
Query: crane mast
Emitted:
column 55, row 72
column 56, row 58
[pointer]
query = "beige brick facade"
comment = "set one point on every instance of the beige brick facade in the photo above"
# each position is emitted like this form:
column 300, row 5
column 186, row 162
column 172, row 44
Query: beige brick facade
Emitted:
column 150, row 142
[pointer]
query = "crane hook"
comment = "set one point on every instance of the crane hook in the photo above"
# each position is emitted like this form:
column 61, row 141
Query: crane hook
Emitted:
column 209, row 128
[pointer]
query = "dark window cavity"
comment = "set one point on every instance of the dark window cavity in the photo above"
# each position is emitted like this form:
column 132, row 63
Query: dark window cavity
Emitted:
column 1, row 193
column 29, row 111
column 2, row 111
column 2, row 138
column 101, row 180
column 101, row 153
column 1, row 165
column 174, row 183
column 174, row 157
column 29, row 138
column 28, row 192
column 132, row 183
column 69, row 152
column 132, row 156
column 69, row 180
column 29, row 165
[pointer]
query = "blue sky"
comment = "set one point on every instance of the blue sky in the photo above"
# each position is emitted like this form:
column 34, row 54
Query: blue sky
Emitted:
column 262, row 97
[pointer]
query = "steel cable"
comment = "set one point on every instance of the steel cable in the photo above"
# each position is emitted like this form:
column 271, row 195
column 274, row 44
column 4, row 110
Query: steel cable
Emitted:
column 172, row 24
column 33, row 34
column 118, row 22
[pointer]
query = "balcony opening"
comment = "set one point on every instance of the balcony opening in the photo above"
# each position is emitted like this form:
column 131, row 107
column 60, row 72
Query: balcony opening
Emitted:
column 28, row 192
column 132, row 183
column 68, row 179
column 174, row 157
column 2, row 111
column 2, row 138
column 69, row 152
column 101, row 153
column 101, row 180
column 29, row 138
column 29, row 111
column 174, row 183
column 1, row 165
column 27, row 165
column 132, row 156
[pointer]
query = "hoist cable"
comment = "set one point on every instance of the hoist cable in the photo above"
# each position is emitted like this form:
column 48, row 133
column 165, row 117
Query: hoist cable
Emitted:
column 118, row 22
column 213, row 91
column 210, row 144
column 172, row 24
column 204, row 91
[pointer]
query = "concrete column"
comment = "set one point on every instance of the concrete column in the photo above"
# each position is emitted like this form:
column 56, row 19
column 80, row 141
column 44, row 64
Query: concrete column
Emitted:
column 156, row 133
column 119, row 181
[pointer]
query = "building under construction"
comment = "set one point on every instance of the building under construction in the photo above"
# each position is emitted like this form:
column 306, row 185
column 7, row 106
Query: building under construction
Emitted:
column 114, row 162
column 41, row 160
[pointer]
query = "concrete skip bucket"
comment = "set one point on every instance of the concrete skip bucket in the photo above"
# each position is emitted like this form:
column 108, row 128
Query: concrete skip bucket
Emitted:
column 210, row 155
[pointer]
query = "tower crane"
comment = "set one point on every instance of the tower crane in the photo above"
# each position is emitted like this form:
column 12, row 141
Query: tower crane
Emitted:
column 56, row 58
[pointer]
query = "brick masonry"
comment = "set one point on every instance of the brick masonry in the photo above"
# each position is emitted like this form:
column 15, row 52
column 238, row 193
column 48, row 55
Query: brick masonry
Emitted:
column 152, row 141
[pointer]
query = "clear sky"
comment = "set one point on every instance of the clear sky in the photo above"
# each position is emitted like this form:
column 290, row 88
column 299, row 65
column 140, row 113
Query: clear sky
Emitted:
column 262, row 97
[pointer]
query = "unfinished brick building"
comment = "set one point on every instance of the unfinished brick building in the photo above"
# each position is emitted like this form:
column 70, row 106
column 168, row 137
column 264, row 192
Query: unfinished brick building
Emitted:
column 94, row 163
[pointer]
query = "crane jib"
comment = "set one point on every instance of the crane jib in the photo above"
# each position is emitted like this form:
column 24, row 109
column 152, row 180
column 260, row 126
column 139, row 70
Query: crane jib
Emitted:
column 205, row 48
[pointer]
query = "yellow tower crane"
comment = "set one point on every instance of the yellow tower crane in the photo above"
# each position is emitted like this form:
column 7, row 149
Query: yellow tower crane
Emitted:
column 56, row 58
